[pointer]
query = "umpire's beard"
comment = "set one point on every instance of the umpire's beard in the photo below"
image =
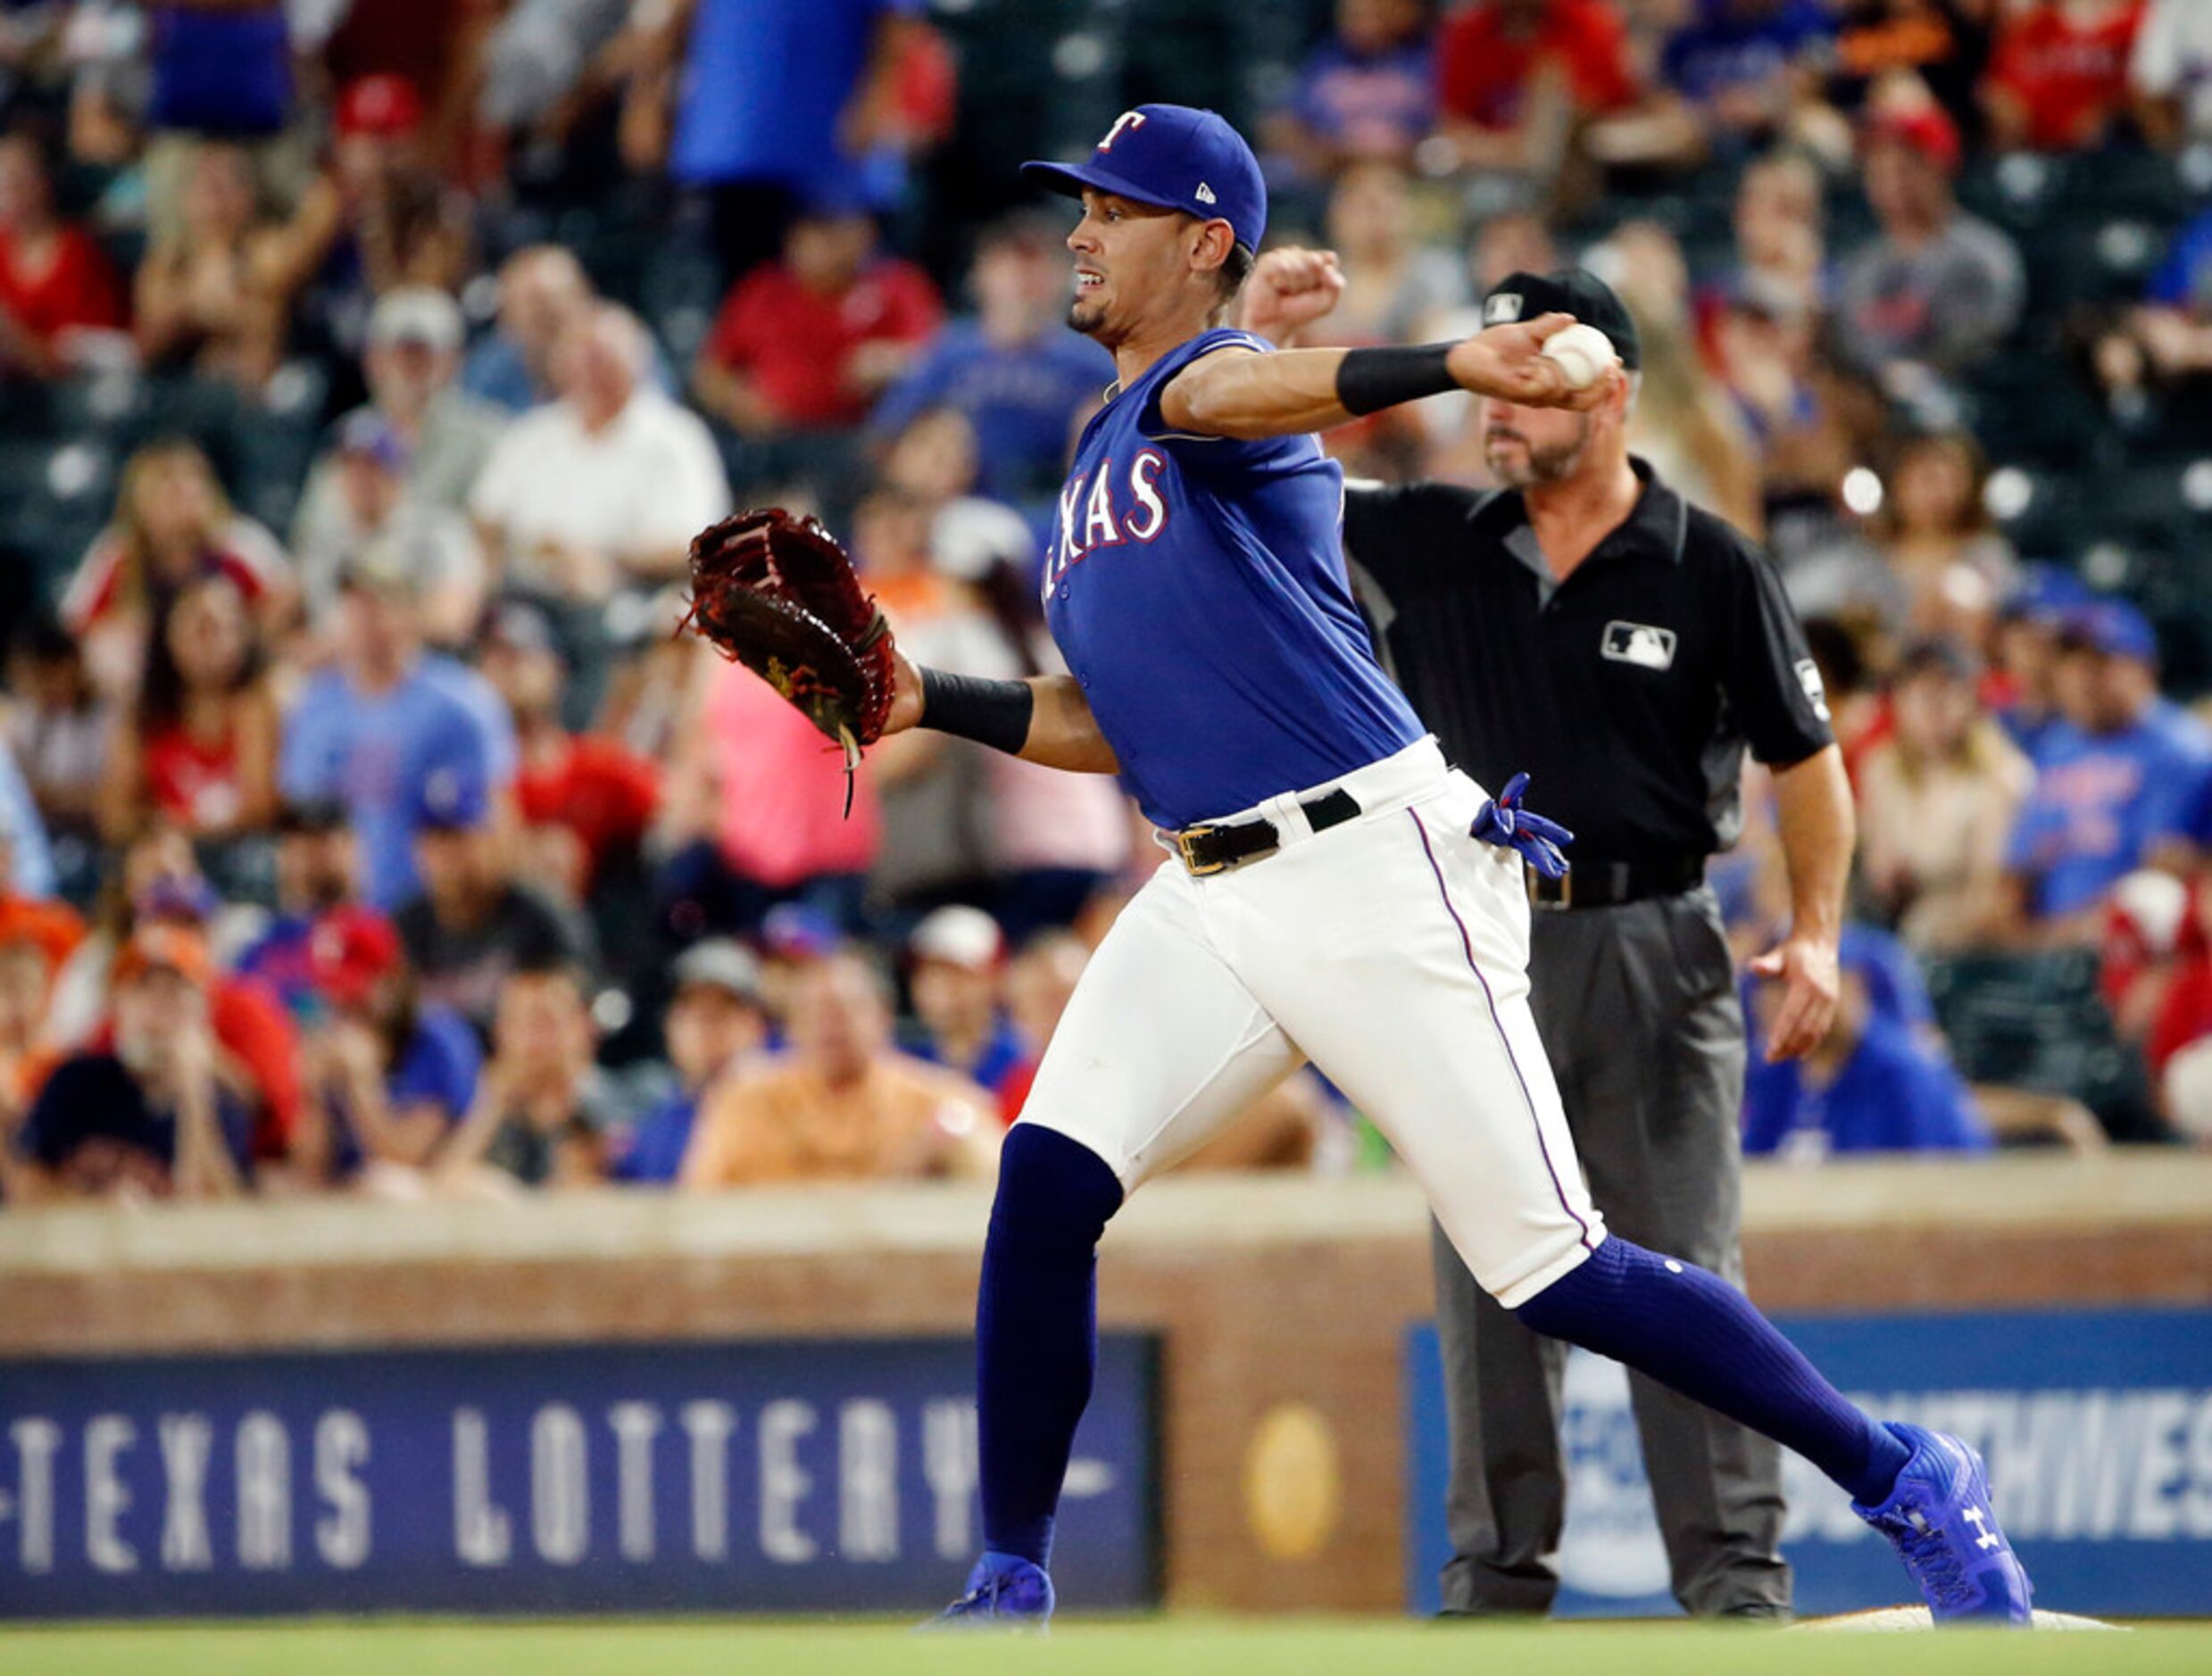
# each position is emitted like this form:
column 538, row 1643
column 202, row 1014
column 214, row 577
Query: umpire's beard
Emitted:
column 1529, row 466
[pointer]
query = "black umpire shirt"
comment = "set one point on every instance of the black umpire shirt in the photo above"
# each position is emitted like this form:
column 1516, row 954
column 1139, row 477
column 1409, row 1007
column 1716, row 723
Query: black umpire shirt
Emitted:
column 1628, row 692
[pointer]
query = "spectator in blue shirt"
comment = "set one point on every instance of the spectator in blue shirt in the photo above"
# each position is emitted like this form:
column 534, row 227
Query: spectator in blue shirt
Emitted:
column 391, row 726
column 1366, row 93
column 2168, row 339
column 220, row 69
column 388, row 1075
column 1896, row 988
column 1012, row 369
column 772, row 93
column 959, row 965
column 1741, row 64
column 318, row 874
column 2184, row 279
column 1872, row 1086
column 715, row 1021
column 2028, row 652
column 2114, row 773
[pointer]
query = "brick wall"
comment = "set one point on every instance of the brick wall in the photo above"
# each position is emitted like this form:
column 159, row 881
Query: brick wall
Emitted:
column 1287, row 1300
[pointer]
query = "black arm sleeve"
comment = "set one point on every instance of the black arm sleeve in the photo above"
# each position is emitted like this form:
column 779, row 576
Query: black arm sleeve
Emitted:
column 1772, row 684
column 1368, row 380
column 994, row 713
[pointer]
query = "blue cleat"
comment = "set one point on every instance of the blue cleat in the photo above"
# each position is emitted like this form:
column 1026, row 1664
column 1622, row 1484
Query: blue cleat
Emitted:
column 1940, row 1521
column 1004, row 1592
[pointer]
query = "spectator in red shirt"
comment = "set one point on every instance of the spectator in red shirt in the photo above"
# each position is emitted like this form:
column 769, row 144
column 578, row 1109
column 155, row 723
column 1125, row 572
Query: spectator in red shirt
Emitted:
column 54, row 280
column 586, row 799
column 200, row 746
column 1510, row 73
column 809, row 341
column 2059, row 74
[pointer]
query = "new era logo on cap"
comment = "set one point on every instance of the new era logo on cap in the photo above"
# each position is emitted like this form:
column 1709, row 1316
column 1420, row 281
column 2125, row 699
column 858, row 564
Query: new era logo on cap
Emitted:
column 1204, row 194
column 1501, row 308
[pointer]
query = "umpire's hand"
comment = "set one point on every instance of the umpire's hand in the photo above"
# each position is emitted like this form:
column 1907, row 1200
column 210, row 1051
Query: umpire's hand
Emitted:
column 1806, row 967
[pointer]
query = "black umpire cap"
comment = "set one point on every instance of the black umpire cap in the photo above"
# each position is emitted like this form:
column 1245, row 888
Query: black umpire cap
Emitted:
column 1576, row 291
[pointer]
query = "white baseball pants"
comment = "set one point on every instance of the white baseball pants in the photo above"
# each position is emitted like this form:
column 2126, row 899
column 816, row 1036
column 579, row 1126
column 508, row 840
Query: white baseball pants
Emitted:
column 1392, row 950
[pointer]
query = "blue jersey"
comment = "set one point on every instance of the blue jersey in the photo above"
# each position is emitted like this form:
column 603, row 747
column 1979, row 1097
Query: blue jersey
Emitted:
column 1196, row 587
column 1893, row 1094
column 2100, row 800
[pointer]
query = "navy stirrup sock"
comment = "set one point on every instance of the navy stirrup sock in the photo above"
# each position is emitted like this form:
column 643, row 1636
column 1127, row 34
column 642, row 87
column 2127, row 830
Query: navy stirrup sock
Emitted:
column 1694, row 1334
column 1036, row 1330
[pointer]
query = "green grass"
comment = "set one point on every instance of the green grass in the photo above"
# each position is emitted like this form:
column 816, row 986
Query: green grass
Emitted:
column 1180, row 1647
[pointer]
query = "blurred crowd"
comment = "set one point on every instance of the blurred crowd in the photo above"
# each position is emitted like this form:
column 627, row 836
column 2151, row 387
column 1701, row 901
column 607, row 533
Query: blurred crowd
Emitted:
column 367, row 823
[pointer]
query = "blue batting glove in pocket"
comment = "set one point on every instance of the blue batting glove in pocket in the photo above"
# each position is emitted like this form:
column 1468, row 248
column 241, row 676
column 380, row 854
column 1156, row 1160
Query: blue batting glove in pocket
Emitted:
column 1540, row 843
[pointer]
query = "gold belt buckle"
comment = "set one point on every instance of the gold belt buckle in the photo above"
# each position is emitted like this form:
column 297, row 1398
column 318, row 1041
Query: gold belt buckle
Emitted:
column 1190, row 863
column 1535, row 882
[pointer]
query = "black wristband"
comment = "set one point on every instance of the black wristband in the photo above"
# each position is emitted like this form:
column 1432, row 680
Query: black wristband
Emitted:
column 993, row 713
column 1370, row 379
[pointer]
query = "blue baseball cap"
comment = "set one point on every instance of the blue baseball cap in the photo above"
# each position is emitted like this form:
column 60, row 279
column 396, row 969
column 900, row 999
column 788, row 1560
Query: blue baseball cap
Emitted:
column 2113, row 628
column 793, row 931
column 2045, row 594
column 452, row 800
column 1175, row 158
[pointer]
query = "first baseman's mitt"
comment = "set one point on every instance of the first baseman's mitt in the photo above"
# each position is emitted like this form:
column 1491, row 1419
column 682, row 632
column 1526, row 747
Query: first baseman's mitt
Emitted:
column 777, row 594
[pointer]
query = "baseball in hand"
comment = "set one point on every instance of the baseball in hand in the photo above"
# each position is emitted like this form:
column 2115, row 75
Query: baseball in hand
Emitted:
column 1583, row 352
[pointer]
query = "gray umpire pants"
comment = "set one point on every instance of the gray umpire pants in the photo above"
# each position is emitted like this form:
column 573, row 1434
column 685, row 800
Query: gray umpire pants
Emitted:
column 1637, row 1006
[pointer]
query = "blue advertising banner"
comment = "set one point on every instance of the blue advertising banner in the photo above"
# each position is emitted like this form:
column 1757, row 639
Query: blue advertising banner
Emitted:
column 2096, row 1426
column 729, row 1477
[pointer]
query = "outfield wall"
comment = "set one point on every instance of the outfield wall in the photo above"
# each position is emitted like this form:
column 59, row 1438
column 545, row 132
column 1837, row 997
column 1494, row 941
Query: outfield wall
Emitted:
column 1278, row 1313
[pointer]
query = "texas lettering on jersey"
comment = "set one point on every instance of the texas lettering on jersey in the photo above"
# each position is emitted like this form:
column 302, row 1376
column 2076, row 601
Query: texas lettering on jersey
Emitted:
column 1212, row 627
column 1116, row 507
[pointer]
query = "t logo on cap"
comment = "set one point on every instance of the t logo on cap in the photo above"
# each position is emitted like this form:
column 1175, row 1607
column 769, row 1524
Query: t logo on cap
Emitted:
column 1172, row 157
column 1128, row 118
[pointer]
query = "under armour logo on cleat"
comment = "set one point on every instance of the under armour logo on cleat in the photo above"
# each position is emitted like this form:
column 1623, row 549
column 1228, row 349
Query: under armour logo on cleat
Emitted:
column 1204, row 194
column 1988, row 1538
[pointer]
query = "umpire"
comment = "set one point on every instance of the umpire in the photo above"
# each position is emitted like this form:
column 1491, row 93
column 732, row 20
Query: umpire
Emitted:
column 1587, row 624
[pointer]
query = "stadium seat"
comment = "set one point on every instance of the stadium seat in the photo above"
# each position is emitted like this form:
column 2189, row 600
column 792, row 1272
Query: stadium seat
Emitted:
column 679, row 289
column 2032, row 409
column 2037, row 1022
column 2042, row 513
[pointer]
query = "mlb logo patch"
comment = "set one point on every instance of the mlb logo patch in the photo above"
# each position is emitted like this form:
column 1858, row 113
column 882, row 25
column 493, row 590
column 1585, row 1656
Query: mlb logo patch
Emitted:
column 1502, row 309
column 1640, row 644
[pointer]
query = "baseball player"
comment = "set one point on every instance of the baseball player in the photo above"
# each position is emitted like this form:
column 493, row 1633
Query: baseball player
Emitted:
column 1334, row 891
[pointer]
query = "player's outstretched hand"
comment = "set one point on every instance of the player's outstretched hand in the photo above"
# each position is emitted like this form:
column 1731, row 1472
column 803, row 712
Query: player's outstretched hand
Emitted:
column 1507, row 362
column 1807, row 969
column 1540, row 843
column 1289, row 289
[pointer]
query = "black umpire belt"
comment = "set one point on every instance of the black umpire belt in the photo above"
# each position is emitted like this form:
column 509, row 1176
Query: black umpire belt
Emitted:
column 1208, row 849
column 1612, row 883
